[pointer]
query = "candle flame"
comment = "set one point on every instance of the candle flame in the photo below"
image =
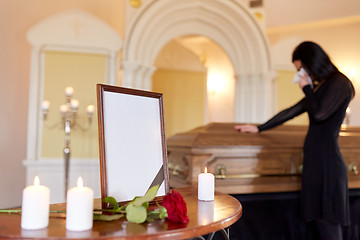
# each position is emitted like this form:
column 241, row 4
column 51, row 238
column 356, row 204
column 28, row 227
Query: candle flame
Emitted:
column 205, row 170
column 36, row 181
column 80, row 182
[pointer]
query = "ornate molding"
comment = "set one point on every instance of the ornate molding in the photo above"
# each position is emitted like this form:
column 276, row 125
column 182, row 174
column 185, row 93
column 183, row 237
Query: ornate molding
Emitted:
column 75, row 29
column 228, row 23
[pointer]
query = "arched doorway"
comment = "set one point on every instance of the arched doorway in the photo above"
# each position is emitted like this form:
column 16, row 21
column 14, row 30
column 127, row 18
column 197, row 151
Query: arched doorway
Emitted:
column 197, row 80
column 227, row 23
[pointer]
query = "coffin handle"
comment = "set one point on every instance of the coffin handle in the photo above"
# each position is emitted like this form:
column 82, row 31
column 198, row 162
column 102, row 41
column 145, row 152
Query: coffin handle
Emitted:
column 221, row 173
column 352, row 167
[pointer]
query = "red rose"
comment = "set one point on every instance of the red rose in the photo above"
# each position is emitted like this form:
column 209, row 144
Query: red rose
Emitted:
column 176, row 207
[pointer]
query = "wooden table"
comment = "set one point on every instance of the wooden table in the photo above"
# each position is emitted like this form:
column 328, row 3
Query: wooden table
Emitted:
column 205, row 218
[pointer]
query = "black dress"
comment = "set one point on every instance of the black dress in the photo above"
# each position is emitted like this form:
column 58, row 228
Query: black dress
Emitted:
column 324, row 192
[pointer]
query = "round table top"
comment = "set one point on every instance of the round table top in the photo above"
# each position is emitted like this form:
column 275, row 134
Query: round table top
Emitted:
column 205, row 217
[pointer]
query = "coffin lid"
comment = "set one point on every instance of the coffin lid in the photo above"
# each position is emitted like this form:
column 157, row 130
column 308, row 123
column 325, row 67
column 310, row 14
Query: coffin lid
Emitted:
column 284, row 136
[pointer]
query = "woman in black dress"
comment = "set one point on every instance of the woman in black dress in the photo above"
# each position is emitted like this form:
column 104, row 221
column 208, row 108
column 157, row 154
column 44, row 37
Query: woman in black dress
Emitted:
column 324, row 195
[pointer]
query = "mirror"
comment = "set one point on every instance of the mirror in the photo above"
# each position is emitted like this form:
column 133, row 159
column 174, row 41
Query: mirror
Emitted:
column 133, row 155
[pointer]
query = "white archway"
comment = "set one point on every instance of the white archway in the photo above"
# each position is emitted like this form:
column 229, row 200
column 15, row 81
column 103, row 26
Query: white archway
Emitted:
column 228, row 23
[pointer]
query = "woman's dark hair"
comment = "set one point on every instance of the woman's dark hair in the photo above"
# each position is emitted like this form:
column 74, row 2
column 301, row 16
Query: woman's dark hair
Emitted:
column 314, row 60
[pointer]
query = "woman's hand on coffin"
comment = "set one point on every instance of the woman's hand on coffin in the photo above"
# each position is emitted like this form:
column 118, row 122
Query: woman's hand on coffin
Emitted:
column 249, row 128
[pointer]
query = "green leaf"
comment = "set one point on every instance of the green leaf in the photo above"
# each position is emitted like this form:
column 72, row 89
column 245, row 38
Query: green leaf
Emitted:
column 163, row 213
column 149, row 196
column 135, row 214
column 112, row 201
column 146, row 204
column 103, row 217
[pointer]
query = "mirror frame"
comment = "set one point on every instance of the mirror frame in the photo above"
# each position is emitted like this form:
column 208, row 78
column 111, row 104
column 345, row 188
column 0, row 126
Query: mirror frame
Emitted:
column 102, row 90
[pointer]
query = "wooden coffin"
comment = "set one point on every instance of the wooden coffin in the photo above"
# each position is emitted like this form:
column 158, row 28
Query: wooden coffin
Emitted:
column 250, row 163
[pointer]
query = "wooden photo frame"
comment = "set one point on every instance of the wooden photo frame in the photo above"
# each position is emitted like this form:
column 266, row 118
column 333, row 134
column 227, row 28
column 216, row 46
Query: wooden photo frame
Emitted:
column 133, row 155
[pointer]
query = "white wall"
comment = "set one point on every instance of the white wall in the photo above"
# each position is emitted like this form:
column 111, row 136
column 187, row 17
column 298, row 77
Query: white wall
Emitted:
column 220, row 77
column 288, row 12
column 16, row 18
column 338, row 37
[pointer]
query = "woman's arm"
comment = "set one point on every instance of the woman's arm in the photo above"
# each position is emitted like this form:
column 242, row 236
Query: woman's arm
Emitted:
column 278, row 119
column 329, row 97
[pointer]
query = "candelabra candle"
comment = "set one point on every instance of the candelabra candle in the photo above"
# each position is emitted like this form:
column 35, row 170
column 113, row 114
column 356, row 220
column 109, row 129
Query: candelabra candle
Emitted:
column 90, row 111
column 63, row 109
column 45, row 108
column 74, row 104
column 69, row 91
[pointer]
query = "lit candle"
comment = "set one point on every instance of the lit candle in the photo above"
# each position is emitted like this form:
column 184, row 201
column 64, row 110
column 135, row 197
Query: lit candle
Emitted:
column 79, row 208
column 90, row 109
column 35, row 206
column 63, row 109
column 69, row 91
column 45, row 105
column 74, row 104
column 206, row 186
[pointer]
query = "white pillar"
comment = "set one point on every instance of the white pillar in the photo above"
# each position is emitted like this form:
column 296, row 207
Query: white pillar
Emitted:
column 33, row 108
column 242, row 100
column 112, row 72
column 129, row 73
column 147, row 78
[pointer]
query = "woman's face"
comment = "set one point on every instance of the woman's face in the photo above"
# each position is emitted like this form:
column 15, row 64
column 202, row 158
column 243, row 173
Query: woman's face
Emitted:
column 297, row 64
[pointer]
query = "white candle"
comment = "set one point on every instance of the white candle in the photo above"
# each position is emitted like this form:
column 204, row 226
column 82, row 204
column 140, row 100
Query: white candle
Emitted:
column 79, row 208
column 63, row 109
column 45, row 105
column 74, row 103
column 206, row 186
column 90, row 109
column 69, row 91
column 35, row 206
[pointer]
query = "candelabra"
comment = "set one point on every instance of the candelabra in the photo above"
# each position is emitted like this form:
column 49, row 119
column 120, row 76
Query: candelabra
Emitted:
column 69, row 118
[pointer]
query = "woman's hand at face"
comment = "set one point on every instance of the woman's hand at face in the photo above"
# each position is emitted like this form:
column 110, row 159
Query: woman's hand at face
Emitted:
column 249, row 128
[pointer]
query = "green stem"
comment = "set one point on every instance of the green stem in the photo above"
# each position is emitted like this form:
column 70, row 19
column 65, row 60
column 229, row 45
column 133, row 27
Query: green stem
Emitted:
column 9, row 211
column 60, row 211
column 57, row 211
column 109, row 210
column 19, row 210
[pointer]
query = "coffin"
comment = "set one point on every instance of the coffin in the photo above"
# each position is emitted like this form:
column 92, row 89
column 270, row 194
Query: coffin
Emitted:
column 250, row 163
